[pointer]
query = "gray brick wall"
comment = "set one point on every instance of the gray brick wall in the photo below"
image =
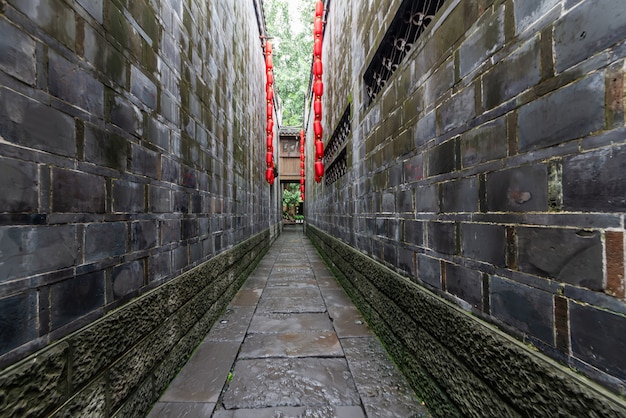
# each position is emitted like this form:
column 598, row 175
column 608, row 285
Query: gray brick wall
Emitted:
column 516, row 169
column 131, row 151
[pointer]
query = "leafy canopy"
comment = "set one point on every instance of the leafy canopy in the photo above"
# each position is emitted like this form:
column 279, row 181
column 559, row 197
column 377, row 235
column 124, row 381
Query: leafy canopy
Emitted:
column 289, row 24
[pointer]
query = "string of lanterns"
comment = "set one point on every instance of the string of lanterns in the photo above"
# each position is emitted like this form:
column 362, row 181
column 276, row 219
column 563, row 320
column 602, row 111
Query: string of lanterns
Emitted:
column 318, row 89
column 269, row 96
column 302, row 178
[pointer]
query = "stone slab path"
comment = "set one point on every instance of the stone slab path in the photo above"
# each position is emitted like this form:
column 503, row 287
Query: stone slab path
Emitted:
column 291, row 344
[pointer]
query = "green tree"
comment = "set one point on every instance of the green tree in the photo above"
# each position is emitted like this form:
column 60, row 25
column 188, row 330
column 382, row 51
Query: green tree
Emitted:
column 291, row 198
column 291, row 31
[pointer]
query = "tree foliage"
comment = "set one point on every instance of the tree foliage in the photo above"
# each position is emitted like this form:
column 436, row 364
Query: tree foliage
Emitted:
column 291, row 195
column 292, row 40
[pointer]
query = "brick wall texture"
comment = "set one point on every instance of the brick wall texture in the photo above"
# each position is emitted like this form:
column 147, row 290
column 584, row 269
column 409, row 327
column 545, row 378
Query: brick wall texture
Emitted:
column 489, row 173
column 131, row 152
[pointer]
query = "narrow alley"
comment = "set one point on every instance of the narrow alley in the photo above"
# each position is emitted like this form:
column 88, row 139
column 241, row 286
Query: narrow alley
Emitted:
column 291, row 344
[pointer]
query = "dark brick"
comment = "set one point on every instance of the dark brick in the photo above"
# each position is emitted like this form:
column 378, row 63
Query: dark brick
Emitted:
column 571, row 112
column 73, row 85
column 26, row 122
column 189, row 228
column 76, row 297
column 595, row 181
column 53, row 16
column 26, row 251
column 106, row 149
column 389, row 203
column 127, row 278
column 427, row 198
column 170, row 170
column 181, row 255
column 414, row 169
column 104, row 56
column 143, row 88
column 181, row 201
column 170, row 231
column 511, row 76
column 425, row 129
column 566, row 255
column 528, row 13
column 19, row 320
column 439, row 82
column 19, row 186
column 414, row 232
column 529, row 310
column 104, row 240
column 486, row 143
column 160, row 200
column 521, row 189
column 465, row 283
column 429, row 270
column 93, row 7
column 143, row 235
column 127, row 116
column 17, row 53
column 578, row 35
column 460, row 195
column 598, row 338
column 128, row 197
column 145, row 162
column 442, row 237
column 484, row 242
column 458, row 110
column 74, row 191
column 488, row 38
column 158, row 134
column 615, row 263
column 159, row 266
column 561, row 323
column 443, row 158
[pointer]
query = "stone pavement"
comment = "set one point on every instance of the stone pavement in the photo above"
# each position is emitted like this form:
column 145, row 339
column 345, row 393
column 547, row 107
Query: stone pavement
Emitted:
column 291, row 344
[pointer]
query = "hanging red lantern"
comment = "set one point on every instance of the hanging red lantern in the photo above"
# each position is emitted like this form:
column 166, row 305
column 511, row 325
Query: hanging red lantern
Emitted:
column 302, row 157
column 318, row 27
column 301, row 149
column 269, row 91
column 302, row 162
column 302, row 196
column 318, row 88
column 317, row 67
column 317, row 47
column 270, row 78
column 270, row 110
column 302, row 188
column 317, row 109
column 268, row 47
column 269, row 63
column 269, row 141
column 269, row 175
column 319, row 149
column 269, row 157
column 317, row 128
column 319, row 169
column 319, row 8
column 302, row 175
column 270, row 128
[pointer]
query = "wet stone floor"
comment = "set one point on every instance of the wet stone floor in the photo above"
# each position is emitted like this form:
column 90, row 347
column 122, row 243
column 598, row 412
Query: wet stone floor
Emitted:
column 291, row 344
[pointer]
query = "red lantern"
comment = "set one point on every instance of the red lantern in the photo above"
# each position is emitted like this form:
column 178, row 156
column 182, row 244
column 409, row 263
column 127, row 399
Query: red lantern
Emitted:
column 270, row 128
column 269, row 63
column 269, row 175
column 269, row 91
column 302, row 175
column 269, row 157
column 268, row 47
column 319, row 169
column 302, row 135
column 302, row 188
column 317, row 47
column 270, row 78
column 301, row 149
column 318, row 27
column 319, row 149
column 318, row 179
column 270, row 110
column 318, row 88
column 319, row 8
column 302, row 157
column 270, row 141
column 302, row 196
column 317, row 128
column 302, row 162
column 317, row 67
column 317, row 108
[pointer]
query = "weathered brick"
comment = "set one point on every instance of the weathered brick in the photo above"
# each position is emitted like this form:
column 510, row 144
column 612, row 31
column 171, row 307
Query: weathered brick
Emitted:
column 53, row 16
column 106, row 149
column 127, row 278
column 158, row 134
column 145, row 162
column 389, row 203
column 425, row 129
column 17, row 53
column 74, row 85
column 429, row 270
column 485, row 143
column 104, row 240
column 414, row 169
column 465, row 283
column 26, row 251
column 128, row 197
column 529, row 310
column 414, row 232
column 458, row 110
column 19, row 186
column 93, row 7
column 615, row 263
column 518, row 189
column 598, row 338
column 26, row 122
column 170, row 231
column 75, row 191
column 579, row 35
column 405, row 201
column 514, row 74
column 594, row 181
column 427, row 198
column 19, row 321
column 571, row 112
column 488, row 38
column 73, row 298
column 439, row 82
column 442, row 237
column 127, row 116
column 143, row 88
column 460, row 195
column 529, row 12
column 104, row 56
column 484, row 242
column 566, row 255
column 143, row 235
column 443, row 158
column 159, row 266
